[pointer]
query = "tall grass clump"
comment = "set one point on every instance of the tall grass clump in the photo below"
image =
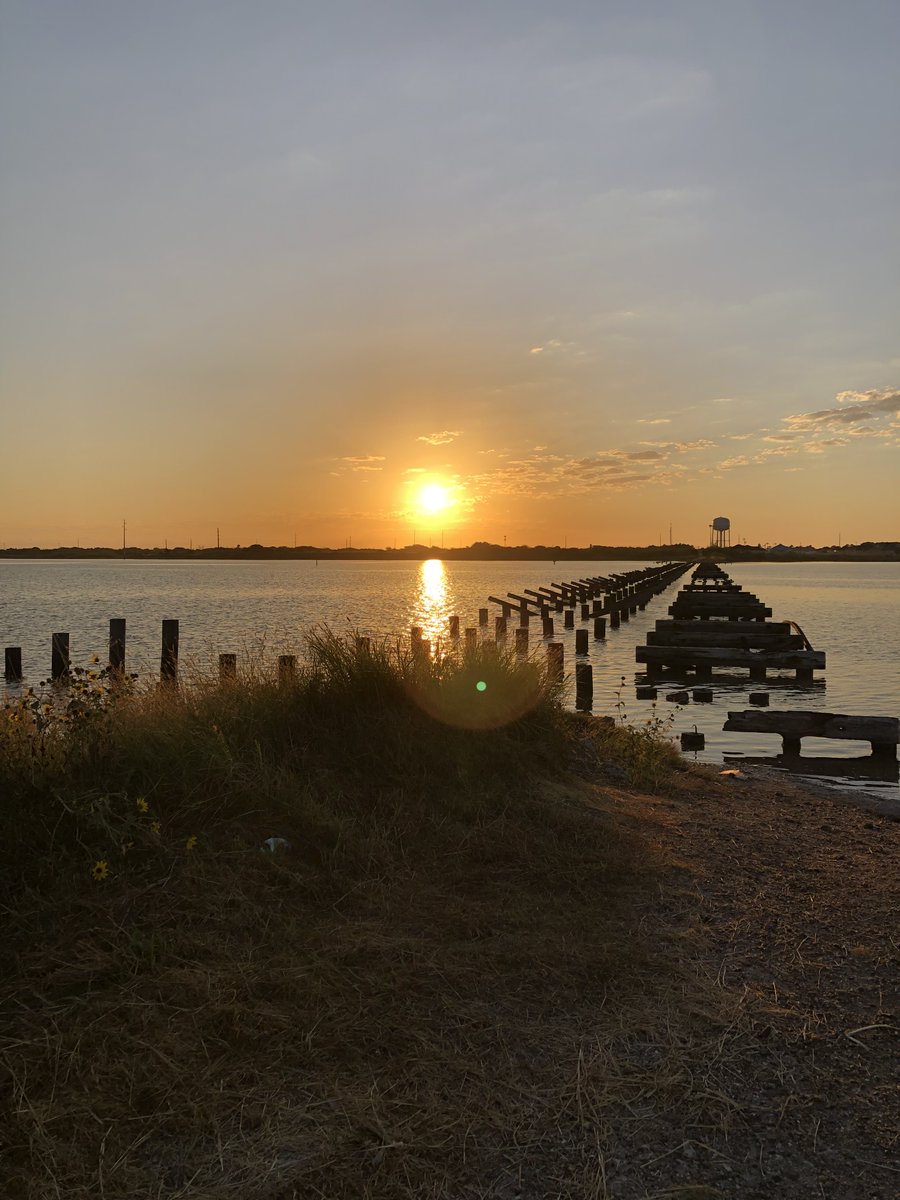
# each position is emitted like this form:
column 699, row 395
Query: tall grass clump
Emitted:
column 305, row 938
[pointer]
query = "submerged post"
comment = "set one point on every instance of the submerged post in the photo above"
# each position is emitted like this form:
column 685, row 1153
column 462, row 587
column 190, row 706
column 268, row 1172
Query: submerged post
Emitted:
column 13, row 663
column 59, row 656
column 168, row 663
column 117, row 644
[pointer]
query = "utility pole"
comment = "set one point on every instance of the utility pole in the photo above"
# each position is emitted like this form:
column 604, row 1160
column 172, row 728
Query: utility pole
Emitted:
column 217, row 537
column 123, row 539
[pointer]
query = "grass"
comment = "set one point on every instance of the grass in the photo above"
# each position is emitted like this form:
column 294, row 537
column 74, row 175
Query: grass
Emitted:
column 440, row 987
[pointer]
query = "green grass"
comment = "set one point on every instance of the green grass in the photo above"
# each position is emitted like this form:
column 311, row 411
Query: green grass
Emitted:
column 382, row 1009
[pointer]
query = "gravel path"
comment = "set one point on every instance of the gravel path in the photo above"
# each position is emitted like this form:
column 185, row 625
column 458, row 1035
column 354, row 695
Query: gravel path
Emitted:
column 796, row 898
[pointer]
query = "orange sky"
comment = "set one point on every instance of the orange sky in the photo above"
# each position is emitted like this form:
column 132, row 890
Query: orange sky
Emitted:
column 593, row 274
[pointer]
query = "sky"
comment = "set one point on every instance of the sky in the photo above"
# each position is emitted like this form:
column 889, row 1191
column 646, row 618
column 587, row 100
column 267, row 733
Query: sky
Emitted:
column 374, row 272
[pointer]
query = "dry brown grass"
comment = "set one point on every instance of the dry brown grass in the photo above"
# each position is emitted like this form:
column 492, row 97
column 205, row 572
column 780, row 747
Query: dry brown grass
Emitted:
column 451, row 986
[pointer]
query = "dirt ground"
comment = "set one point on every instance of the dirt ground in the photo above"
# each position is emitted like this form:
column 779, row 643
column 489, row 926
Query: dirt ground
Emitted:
column 789, row 900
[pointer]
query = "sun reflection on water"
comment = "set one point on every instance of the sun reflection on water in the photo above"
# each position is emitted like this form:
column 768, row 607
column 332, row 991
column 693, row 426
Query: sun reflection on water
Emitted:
column 432, row 609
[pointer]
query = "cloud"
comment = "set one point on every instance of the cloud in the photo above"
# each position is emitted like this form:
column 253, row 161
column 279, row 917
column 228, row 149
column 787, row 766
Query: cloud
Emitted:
column 363, row 462
column 654, row 421
column 441, row 438
column 852, row 408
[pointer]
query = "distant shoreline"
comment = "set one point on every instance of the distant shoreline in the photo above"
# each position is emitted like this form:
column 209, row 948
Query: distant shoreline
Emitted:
column 479, row 552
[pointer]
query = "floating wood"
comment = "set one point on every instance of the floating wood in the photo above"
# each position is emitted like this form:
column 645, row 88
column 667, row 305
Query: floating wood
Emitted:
column 793, row 724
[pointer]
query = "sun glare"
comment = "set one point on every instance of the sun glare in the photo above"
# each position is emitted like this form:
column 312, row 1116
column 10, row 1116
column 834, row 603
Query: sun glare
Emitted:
column 434, row 498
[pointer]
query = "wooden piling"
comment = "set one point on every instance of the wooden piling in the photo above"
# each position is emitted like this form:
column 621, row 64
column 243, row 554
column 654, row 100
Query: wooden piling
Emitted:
column 584, row 685
column 522, row 639
column 471, row 639
column 581, row 641
column 12, row 656
column 227, row 668
column 569, row 619
column 548, row 626
column 117, row 644
column 287, row 669
column 168, row 661
column 555, row 660
column 499, row 628
column 454, row 627
column 585, row 611
column 599, row 628
column 614, row 618
column 482, row 616
column 415, row 637
column 59, row 656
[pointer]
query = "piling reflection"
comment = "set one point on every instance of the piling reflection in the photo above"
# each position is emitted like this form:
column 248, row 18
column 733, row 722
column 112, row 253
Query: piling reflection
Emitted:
column 869, row 768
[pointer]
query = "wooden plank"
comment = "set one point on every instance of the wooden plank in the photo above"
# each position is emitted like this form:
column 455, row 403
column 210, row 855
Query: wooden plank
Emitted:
column 805, row 723
column 687, row 608
column 771, row 629
column 708, row 635
column 724, row 656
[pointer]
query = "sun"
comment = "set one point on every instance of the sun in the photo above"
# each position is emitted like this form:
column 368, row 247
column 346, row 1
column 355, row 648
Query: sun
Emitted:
column 434, row 498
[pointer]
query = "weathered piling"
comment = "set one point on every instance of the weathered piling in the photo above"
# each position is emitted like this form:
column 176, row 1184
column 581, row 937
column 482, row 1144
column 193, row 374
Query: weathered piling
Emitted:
column 415, row 638
column 555, row 660
column 117, row 644
column 584, row 685
column 569, row 619
column 482, row 616
column 59, row 656
column 599, row 628
column 499, row 628
column 168, row 660
column 227, row 668
column 471, row 639
column 12, row 665
column 522, row 639
column 454, row 627
column 581, row 641
column 548, row 626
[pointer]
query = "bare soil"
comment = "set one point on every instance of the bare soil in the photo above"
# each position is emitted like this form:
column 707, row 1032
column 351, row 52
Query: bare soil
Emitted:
column 789, row 901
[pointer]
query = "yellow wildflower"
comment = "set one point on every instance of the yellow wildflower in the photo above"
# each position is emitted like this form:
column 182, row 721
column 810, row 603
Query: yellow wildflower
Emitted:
column 190, row 843
column 100, row 870
column 142, row 805
column 95, row 658
column 155, row 826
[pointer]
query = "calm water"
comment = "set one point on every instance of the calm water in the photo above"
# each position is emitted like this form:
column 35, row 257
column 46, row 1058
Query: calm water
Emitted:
column 850, row 610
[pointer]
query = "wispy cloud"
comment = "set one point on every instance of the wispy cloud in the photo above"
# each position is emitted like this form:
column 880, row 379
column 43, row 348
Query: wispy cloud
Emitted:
column 439, row 439
column 363, row 462
column 852, row 409
column 654, row 421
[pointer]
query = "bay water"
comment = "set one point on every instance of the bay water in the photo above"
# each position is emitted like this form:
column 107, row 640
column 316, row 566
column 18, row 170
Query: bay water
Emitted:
column 259, row 609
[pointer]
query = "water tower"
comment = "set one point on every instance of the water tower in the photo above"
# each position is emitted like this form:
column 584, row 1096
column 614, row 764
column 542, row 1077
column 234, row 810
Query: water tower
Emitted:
column 720, row 533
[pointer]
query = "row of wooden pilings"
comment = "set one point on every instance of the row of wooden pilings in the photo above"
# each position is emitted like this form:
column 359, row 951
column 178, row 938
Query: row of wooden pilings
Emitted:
column 61, row 666
column 601, row 599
